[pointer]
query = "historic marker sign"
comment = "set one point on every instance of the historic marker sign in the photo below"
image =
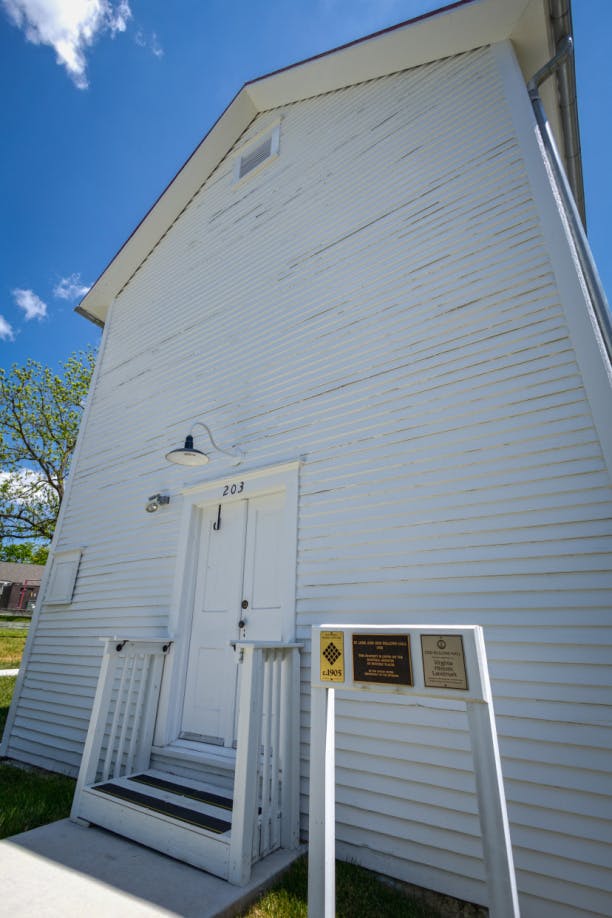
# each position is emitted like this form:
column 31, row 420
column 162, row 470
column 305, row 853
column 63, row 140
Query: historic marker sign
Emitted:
column 443, row 661
column 331, row 668
column 452, row 666
column 382, row 658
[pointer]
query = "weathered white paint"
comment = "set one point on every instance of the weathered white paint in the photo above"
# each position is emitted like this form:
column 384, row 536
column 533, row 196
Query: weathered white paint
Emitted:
column 384, row 302
column 239, row 562
column 442, row 33
column 201, row 501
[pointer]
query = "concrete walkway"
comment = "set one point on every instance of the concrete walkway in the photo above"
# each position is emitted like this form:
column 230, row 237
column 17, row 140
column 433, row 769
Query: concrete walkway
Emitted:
column 64, row 870
column 8, row 672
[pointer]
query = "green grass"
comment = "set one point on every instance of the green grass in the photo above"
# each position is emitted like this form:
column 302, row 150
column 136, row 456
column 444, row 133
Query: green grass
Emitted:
column 30, row 796
column 12, row 642
column 359, row 894
column 7, row 684
column 7, row 617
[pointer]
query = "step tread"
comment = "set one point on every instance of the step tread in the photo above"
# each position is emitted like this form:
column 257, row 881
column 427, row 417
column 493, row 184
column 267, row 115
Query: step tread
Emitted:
column 164, row 807
column 182, row 789
column 200, row 753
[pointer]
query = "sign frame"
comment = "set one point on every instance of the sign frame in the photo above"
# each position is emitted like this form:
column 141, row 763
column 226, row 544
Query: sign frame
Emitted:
column 492, row 809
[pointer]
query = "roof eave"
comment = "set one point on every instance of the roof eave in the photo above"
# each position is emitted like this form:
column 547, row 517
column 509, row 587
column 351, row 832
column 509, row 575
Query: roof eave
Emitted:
column 460, row 27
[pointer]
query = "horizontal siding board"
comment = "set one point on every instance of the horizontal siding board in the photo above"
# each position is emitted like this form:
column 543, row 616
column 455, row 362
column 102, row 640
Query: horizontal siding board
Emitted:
column 399, row 843
column 453, row 883
column 391, row 315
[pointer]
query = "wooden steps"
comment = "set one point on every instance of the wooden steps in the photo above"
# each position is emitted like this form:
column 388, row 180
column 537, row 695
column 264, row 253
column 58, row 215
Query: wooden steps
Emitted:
column 191, row 760
column 189, row 820
column 198, row 802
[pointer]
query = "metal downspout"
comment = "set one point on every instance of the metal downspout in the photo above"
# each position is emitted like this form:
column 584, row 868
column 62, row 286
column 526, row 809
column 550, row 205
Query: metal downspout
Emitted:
column 583, row 250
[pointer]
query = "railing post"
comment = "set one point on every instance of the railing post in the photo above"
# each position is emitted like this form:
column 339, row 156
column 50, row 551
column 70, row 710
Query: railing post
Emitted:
column 149, row 714
column 290, row 788
column 247, row 771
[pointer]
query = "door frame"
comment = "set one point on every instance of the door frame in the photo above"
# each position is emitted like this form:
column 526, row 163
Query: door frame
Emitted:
column 255, row 483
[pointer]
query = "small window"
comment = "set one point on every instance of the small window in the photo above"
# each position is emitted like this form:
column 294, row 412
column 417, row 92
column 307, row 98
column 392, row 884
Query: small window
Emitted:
column 65, row 567
column 257, row 153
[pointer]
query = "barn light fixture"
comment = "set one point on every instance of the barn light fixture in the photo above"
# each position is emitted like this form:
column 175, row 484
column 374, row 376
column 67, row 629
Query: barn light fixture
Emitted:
column 189, row 455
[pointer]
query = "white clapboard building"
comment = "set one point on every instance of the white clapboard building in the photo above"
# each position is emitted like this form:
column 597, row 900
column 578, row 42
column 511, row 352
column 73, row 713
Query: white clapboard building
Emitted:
column 368, row 299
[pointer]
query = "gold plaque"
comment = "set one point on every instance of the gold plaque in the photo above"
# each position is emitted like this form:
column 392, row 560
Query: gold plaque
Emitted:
column 444, row 661
column 331, row 660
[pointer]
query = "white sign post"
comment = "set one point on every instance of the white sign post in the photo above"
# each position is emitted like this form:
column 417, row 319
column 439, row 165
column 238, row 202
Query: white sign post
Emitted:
column 444, row 662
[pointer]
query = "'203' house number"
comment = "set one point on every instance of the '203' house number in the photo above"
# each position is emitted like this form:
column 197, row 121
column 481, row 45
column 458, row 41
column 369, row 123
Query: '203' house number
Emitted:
column 236, row 487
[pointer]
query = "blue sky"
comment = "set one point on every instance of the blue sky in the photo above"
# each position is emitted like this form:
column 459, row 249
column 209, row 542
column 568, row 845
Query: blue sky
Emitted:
column 103, row 100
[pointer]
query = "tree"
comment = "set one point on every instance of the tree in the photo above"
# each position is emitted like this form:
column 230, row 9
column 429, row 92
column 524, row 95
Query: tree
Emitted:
column 24, row 553
column 40, row 412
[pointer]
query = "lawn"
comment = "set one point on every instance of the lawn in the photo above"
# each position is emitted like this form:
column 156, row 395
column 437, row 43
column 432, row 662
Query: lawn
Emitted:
column 359, row 894
column 12, row 642
column 30, row 796
column 7, row 684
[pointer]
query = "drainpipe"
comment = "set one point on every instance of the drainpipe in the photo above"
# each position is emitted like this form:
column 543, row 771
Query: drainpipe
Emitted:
column 583, row 250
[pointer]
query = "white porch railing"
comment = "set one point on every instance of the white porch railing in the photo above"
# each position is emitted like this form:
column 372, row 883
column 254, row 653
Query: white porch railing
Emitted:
column 123, row 715
column 265, row 812
column 266, row 781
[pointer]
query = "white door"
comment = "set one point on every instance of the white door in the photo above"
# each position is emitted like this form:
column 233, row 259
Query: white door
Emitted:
column 237, row 596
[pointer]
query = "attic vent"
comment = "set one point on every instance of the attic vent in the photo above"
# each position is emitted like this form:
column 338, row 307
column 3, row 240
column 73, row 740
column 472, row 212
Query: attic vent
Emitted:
column 256, row 155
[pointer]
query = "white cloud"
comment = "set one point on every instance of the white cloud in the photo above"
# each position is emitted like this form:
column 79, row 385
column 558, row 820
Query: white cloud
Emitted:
column 156, row 48
column 6, row 330
column 24, row 485
column 69, row 27
column 70, row 288
column 152, row 43
column 31, row 304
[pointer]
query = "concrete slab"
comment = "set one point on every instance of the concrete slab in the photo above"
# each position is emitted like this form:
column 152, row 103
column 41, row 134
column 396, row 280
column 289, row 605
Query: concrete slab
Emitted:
column 65, row 870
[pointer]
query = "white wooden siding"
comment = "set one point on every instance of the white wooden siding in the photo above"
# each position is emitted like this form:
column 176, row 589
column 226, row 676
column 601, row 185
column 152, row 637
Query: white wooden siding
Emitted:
column 380, row 301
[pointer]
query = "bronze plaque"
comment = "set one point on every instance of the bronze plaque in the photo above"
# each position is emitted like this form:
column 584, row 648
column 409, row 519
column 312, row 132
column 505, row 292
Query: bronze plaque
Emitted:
column 383, row 659
column 444, row 661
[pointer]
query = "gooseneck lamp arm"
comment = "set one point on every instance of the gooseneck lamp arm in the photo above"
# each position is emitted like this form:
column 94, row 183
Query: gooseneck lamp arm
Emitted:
column 235, row 453
column 189, row 455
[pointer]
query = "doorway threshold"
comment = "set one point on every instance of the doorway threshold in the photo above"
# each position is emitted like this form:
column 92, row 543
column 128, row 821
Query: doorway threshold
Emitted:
column 189, row 750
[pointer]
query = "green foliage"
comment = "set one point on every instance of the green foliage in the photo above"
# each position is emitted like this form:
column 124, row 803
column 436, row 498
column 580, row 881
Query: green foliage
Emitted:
column 24, row 553
column 40, row 412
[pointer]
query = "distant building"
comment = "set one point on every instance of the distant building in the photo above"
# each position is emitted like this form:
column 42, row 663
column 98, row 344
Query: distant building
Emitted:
column 19, row 585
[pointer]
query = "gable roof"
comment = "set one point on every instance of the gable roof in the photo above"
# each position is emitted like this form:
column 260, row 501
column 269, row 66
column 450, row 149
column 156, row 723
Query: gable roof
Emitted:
column 13, row 572
column 461, row 26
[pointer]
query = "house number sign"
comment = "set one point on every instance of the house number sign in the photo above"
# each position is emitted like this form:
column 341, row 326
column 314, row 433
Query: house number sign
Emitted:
column 236, row 487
